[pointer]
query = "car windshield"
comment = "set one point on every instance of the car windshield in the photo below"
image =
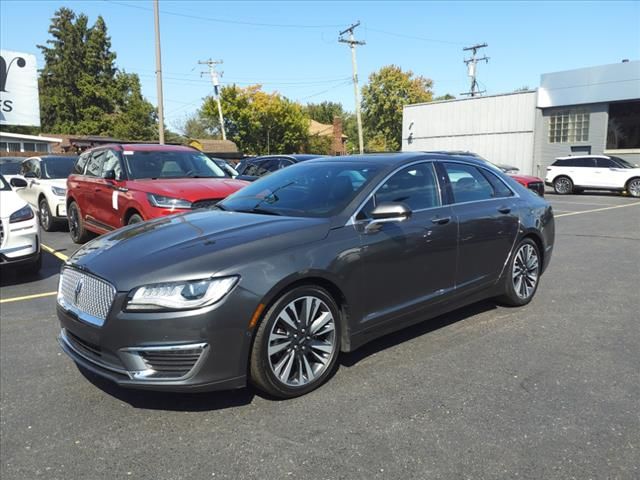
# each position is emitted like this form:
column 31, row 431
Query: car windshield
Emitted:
column 623, row 163
column 170, row 164
column 10, row 168
column 59, row 167
column 319, row 189
column 3, row 184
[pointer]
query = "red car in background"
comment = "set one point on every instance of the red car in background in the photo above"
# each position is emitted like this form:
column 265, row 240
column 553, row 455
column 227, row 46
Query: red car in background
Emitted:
column 120, row 184
column 532, row 183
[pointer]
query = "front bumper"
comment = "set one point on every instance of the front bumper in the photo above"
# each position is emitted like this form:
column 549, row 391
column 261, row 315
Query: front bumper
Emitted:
column 60, row 210
column 20, row 242
column 216, row 340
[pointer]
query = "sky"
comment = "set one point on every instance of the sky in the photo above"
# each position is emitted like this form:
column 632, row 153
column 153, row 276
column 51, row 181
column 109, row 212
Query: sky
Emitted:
column 291, row 47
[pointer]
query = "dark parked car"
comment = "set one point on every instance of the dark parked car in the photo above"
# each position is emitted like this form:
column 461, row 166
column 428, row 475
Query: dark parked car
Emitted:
column 226, row 167
column 254, row 168
column 312, row 260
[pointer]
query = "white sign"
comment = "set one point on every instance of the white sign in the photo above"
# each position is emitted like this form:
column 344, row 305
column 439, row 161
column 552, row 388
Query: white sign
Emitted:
column 19, row 101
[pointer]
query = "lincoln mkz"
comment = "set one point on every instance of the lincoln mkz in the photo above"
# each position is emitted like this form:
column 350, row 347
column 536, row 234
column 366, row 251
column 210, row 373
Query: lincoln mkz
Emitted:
column 319, row 258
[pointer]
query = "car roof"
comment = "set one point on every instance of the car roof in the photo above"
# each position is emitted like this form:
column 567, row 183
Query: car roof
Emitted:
column 582, row 156
column 400, row 158
column 298, row 157
column 146, row 147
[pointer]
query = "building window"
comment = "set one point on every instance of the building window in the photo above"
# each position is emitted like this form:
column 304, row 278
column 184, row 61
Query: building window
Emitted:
column 42, row 147
column 3, row 146
column 13, row 146
column 623, row 129
column 567, row 126
column 29, row 146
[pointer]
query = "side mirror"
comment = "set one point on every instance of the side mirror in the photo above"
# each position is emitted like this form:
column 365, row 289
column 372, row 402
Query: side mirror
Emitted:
column 388, row 212
column 18, row 182
column 110, row 175
column 30, row 175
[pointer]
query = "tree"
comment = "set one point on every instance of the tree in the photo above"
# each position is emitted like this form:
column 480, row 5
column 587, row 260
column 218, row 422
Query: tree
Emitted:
column 259, row 122
column 324, row 112
column 383, row 97
column 446, row 96
column 81, row 90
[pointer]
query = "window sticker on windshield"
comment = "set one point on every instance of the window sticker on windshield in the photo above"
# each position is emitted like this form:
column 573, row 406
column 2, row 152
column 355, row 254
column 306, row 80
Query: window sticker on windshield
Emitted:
column 114, row 200
column 127, row 152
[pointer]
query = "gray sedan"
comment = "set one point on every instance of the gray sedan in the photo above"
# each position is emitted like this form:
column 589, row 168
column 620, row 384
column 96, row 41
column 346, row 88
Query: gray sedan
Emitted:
column 312, row 260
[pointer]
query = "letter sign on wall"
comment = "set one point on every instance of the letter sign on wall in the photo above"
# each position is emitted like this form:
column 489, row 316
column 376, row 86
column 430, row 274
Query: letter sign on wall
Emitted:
column 19, row 101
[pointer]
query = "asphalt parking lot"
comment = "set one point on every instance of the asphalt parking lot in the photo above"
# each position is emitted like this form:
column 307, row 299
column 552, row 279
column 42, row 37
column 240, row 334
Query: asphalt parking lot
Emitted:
column 551, row 390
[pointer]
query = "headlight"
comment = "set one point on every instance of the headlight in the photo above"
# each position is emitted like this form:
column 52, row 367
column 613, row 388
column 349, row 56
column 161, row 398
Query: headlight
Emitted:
column 60, row 192
column 167, row 202
column 25, row 213
column 181, row 295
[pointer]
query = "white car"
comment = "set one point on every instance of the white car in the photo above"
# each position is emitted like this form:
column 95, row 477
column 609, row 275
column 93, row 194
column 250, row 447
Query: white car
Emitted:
column 46, row 188
column 19, row 230
column 593, row 172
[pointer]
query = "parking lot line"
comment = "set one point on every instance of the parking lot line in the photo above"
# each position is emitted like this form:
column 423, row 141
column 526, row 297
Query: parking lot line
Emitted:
column 54, row 252
column 28, row 297
column 598, row 209
column 580, row 203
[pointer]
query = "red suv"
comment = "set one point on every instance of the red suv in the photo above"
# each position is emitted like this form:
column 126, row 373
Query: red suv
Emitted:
column 116, row 185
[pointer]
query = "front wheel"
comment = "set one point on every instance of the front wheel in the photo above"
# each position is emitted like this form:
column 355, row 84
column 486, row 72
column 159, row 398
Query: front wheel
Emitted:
column 633, row 187
column 46, row 219
column 297, row 343
column 78, row 233
column 521, row 278
column 135, row 218
column 563, row 185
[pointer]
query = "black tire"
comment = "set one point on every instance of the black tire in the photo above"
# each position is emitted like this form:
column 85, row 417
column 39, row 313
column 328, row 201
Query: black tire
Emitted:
column 633, row 187
column 78, row 232
column 135, row 218
column 300, row 359
column 563, row 185
column 514, row 296
column 47, row 222
column 34, row 267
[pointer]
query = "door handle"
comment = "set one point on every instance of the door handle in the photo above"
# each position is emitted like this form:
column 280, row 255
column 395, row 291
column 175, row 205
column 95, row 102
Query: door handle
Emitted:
column 440, row 220
column 504, row 209
column 98, row 189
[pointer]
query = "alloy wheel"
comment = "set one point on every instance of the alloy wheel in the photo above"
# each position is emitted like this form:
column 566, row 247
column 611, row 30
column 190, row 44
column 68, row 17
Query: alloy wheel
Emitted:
column 563, row 185
column 525, row 271
column 74, row 226
column 45, row 215
column 302, row 341
column 634, row 187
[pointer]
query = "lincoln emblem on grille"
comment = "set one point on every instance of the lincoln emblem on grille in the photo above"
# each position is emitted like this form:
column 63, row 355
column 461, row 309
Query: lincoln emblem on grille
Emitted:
column 76, row 295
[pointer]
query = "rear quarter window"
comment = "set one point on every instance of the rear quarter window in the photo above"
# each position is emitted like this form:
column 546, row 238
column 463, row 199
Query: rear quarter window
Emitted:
column 78, row 168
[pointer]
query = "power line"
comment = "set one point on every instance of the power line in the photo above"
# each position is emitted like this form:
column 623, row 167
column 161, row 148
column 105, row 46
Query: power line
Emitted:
column 352, row 42
column 223, row 20
column 412, row 37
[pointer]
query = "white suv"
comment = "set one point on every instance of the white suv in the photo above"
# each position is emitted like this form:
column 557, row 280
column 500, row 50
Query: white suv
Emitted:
column 19, row 229
column 46, row 188
column 593, row 172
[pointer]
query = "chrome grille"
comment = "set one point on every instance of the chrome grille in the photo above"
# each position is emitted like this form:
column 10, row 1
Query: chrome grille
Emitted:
column 209, row 203
column 86, row 295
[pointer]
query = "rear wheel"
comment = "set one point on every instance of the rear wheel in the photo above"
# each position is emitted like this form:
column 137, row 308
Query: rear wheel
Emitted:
column 633, row 187
column 521, row 278
column 46, row 219
column 297, row 343
column 135, row 218
column 563, row 185
column 78, row 233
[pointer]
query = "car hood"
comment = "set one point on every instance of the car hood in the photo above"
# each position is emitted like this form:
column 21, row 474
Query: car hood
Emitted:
column 10, row 202
column 525, row 178
column 54, row 182
column 192, row 245
column 191, row 189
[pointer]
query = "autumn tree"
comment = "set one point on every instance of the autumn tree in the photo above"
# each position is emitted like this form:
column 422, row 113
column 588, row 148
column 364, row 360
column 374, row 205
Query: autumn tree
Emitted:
column 388, row 90
column 258, row 122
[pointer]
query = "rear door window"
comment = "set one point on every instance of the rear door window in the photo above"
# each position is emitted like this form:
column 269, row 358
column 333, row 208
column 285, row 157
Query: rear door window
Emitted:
column 499, row 187
column 468, row 184
column 605, row 163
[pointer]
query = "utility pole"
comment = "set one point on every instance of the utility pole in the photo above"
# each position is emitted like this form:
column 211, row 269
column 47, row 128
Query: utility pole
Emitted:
column 352, row 43
column 472, row 69
column 156, row 16
column 215, row 80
